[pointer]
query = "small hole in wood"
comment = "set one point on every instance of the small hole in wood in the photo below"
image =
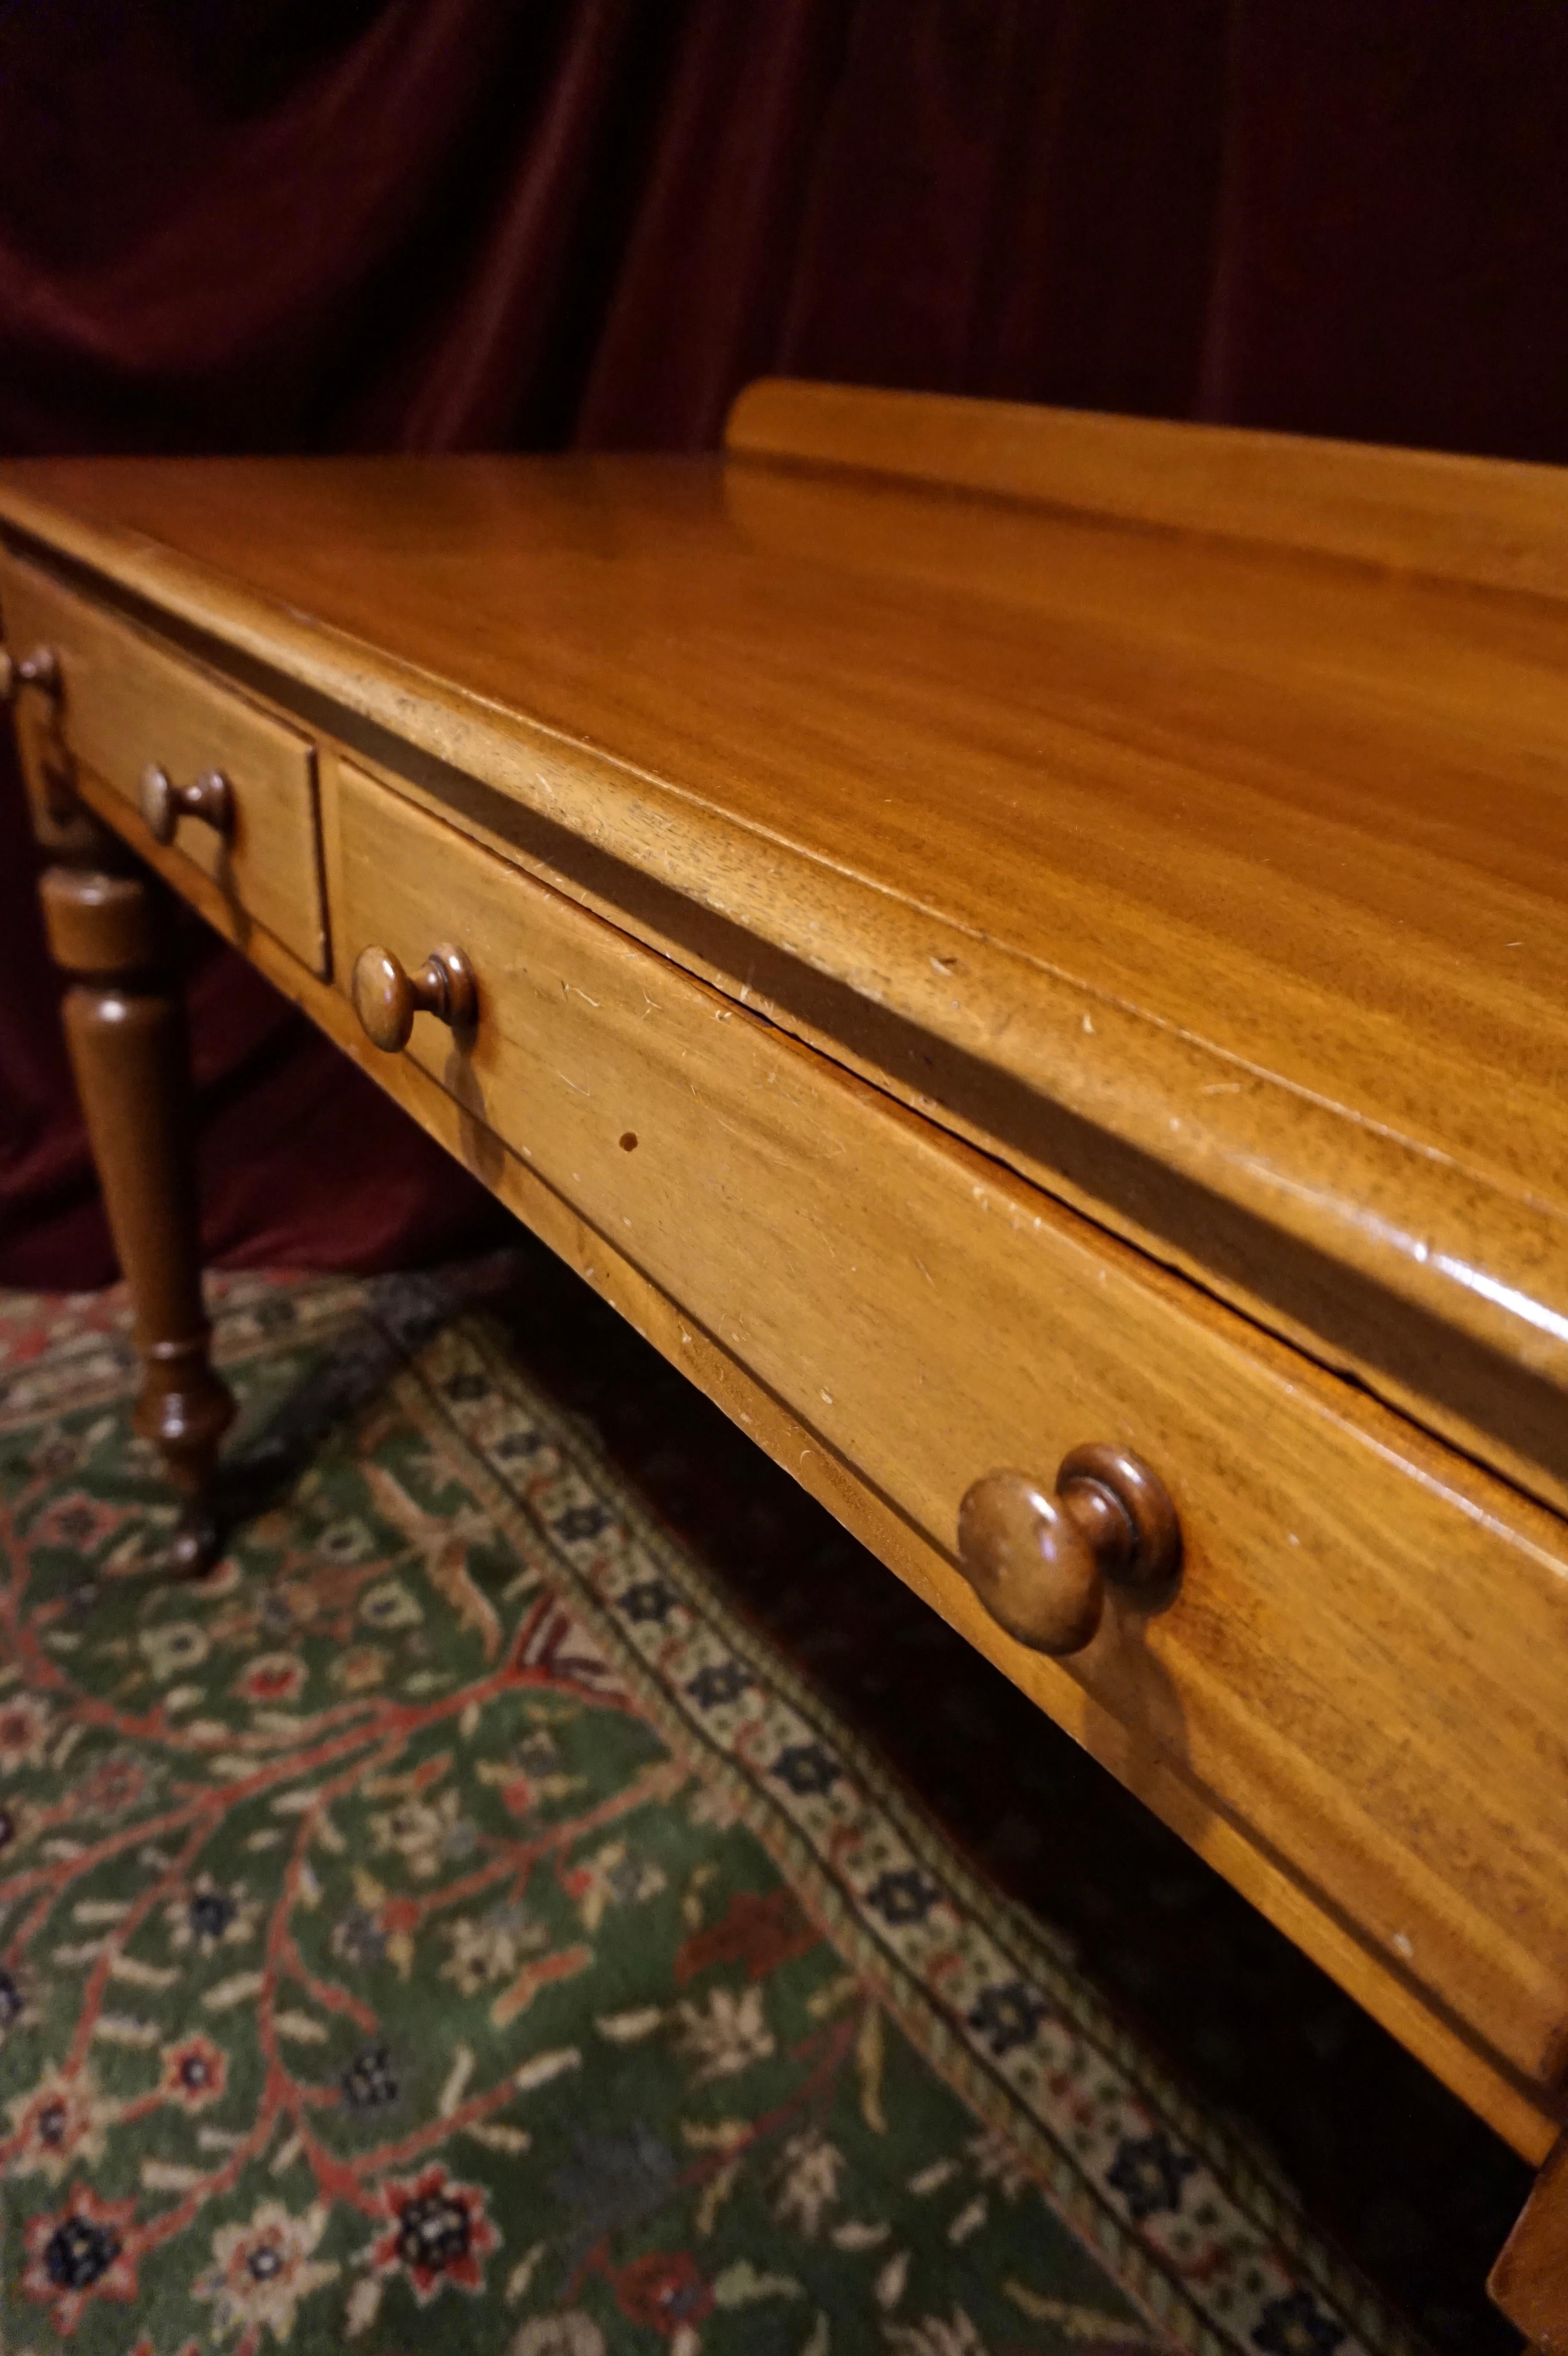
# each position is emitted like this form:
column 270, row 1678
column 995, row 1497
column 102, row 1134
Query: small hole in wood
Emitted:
column 629, row 1142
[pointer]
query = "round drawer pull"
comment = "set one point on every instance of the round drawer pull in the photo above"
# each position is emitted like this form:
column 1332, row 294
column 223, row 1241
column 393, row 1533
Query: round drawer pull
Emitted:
column 40, row 669
column 163, row 803
column 387, row 996
column 1040, row 1563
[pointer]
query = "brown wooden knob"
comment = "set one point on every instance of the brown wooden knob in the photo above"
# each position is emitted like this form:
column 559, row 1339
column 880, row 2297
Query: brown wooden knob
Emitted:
column 163, row 803
column 39, row 670
column 387, row 996
column 1040, row 1563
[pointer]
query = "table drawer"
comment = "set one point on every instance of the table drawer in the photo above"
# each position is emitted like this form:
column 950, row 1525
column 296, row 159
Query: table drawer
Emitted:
column 128, row 703
column 1364, row 1664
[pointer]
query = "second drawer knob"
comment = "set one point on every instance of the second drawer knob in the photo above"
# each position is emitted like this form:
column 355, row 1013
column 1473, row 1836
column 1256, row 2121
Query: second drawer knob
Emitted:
column 1038, row 1562
column 40, row 669
column 163, row 803
column 387, row 996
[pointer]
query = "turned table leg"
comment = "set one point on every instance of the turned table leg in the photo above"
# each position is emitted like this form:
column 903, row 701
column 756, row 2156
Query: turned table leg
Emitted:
column 124, row 1024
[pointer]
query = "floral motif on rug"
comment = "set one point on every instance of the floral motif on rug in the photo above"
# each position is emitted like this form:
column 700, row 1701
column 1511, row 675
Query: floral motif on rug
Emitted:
column 450, row 1926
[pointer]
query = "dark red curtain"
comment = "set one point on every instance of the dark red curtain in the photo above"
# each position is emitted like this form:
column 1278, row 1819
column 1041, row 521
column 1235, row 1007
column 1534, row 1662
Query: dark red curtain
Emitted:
column 443, row 224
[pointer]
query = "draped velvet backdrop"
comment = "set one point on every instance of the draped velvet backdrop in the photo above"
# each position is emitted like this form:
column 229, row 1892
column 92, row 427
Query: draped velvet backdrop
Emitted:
column 449, row 224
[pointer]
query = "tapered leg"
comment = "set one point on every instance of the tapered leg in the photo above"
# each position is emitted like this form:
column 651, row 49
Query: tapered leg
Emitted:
column 1530, row 2281
column 124, row 1024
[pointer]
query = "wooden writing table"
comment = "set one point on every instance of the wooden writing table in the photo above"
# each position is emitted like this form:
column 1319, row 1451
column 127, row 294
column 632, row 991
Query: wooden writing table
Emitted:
column 1028, row 953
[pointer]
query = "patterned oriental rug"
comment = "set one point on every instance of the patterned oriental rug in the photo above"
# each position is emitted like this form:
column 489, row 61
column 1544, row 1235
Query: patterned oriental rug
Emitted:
column 453, row 1924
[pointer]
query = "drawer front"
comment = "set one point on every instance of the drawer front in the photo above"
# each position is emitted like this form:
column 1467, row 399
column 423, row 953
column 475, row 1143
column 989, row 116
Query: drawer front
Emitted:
column 128, row 702
column 1364, row 1663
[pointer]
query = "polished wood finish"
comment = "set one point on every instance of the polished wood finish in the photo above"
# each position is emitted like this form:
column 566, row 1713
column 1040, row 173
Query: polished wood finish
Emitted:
column 986, row 929
column 802, row 732
column 1039, row 1562
column 127, row 705
column 1496, row 524
column 1246, row 1859
column 163, row 803
column 387, row 996
column 927, row 1315
column 124, row 1024
column 1530, row 2281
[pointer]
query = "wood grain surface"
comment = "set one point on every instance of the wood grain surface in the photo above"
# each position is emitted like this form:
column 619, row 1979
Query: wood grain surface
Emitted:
column 1375, row 1977
column 1364, row 1658
column 1498, row 523
column 1248, row 866
column 1176, row 834
column 127, row 701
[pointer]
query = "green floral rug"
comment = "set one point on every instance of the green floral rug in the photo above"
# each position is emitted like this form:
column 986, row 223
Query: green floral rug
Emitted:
column 450, row 1926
